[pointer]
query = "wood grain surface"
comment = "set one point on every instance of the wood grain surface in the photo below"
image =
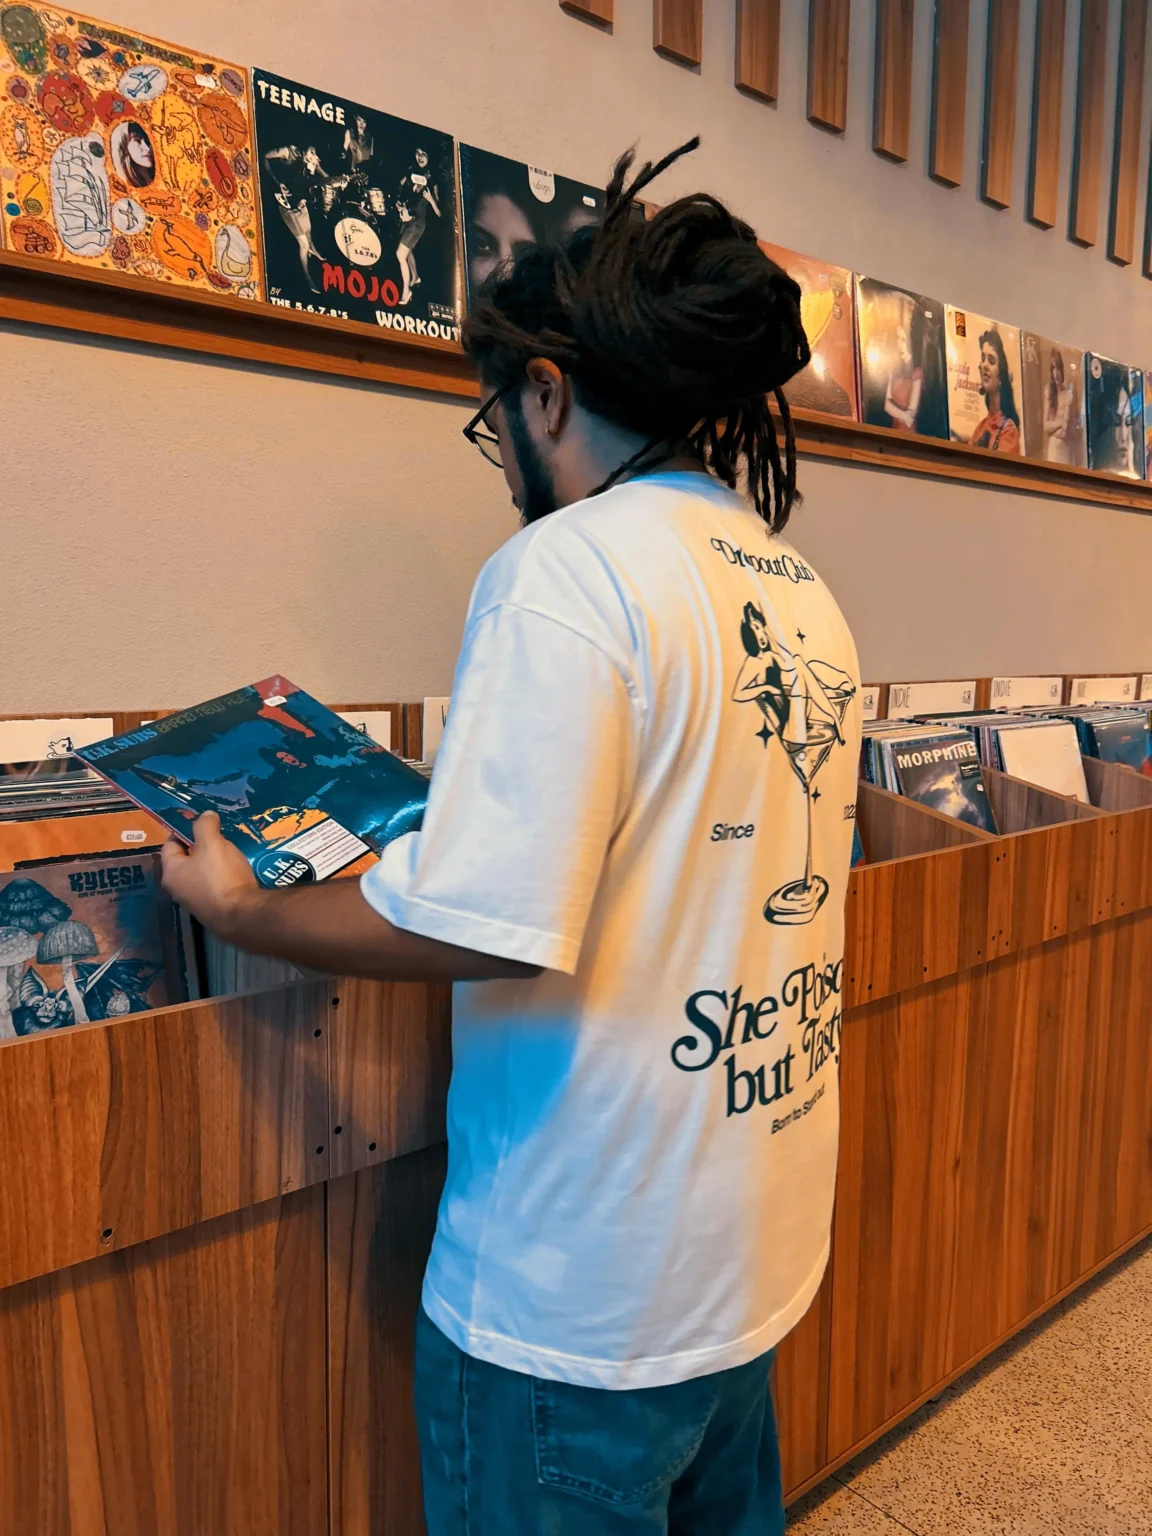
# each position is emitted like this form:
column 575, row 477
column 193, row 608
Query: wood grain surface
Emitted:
column 1128, row 143
column 1116, row 787
column 125, row 1130
column 892, row 91
column 176, row 1389
column 829, row 37
column 1021, row 807
column 893, row 827
column 390, row 1058
column 1088, row 140
column 1047, row 109
column 380, row 1225
column 676, row 29
column 758, row 48
column 1000, row 101
column 949, row 92
column 591, row 10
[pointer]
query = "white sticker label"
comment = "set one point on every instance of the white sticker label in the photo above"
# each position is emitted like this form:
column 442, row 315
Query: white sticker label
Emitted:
column 328, row 847
column 1025, row 692
column 1146, row 685
column 134, row 836
column 376, row 724
column 906, row 699
column 30, row 741
column 870, row 702
column 435, row 716
column 275, row 701
column 1103, row 690
column 543, row 184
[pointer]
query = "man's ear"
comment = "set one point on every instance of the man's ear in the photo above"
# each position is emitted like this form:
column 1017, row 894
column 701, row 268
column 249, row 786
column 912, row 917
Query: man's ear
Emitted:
column 548, row 395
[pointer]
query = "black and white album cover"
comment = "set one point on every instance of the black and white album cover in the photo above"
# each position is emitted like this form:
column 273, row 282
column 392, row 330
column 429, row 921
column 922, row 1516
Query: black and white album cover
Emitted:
column 359, row 210
column 1115, row 396
column 509, row 205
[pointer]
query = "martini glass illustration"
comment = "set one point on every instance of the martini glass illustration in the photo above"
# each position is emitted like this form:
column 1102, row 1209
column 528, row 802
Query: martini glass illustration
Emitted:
column 798, row 901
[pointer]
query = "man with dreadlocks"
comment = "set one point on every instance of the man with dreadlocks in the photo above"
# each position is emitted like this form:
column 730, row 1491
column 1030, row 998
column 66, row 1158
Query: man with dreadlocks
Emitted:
column 638, row 884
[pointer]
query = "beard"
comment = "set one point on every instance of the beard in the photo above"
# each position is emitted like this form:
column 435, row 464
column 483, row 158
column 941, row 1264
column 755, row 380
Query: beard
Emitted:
column 538, row 497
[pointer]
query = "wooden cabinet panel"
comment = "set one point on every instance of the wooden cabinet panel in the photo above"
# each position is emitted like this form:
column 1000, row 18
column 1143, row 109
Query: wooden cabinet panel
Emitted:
column 175, row 1389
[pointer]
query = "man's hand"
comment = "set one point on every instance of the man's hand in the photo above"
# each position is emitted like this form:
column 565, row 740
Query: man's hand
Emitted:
column 213, row 879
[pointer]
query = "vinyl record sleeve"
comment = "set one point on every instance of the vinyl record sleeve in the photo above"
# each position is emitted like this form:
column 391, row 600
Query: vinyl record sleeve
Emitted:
column 828, row 313
column 900, row 338
column 302, row 794
column 1115, row 397
column 944, row 772
column 1053, row 389
column 983, row 381
column 358, row 209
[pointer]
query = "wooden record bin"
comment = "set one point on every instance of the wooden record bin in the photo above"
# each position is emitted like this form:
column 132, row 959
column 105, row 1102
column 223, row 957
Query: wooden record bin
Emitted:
column 215, row 1215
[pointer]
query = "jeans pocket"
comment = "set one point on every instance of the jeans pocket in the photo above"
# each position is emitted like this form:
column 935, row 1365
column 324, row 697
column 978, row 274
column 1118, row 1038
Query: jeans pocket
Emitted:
column 618, row 1447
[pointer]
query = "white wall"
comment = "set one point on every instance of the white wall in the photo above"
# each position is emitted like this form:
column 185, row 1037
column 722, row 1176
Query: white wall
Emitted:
column 172, row 526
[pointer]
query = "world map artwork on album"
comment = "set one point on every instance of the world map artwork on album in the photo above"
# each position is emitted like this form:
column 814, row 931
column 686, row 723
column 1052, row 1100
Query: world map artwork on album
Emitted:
column 124, row 153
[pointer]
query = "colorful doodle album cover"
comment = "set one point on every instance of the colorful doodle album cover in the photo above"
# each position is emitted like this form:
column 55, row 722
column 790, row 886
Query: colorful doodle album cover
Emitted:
column 359, row 210
column 125, row 153
column 1115, row 400
column 302, row 794
column 984, row 397
column 902, row 378
column 83, row 939
column 509, row 205
column 1053, row 386
column 828, row 314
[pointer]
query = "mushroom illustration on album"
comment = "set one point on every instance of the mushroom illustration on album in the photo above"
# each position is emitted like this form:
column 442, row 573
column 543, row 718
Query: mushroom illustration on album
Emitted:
column 63, row 944
column 17, row 948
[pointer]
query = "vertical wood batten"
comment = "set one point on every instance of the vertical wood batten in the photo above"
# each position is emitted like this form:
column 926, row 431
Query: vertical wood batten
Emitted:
column 1084, row 207
column 758, row 48
column 1000, row 102
column 828, row 46
column 1126, row 152
column 1047, row 104
column 892, row 101
column 949, row 92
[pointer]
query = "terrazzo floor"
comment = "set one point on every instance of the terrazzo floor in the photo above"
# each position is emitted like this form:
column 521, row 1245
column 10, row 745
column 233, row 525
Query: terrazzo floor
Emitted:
column 1050, row 1436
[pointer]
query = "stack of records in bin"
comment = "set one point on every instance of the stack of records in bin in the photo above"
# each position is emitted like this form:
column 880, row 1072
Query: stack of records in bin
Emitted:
column 58, row 786
column 1034, row 745
column 1115, row 733
column 937, row 765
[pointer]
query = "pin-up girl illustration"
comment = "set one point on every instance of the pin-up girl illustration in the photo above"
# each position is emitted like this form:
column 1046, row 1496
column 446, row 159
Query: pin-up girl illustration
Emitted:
column 803, row 704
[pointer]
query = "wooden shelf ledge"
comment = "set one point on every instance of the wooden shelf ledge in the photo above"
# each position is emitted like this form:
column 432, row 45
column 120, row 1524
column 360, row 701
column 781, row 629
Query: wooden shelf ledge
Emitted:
column 67, row 297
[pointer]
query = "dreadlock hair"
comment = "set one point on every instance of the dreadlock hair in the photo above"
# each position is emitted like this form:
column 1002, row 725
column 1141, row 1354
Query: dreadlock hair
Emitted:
column 678, row 328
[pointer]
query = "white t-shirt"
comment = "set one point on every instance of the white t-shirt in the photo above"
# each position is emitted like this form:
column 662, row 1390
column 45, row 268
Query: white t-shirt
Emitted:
column 642, row 1141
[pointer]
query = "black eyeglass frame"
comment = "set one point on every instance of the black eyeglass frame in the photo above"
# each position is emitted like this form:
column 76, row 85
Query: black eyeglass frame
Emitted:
column 486, row 439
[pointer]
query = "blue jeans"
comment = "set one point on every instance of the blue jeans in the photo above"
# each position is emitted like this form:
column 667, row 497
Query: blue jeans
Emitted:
column 505, row 1454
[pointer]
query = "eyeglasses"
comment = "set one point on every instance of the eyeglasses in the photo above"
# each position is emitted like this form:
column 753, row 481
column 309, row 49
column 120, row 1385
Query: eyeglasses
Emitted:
column 480, row 433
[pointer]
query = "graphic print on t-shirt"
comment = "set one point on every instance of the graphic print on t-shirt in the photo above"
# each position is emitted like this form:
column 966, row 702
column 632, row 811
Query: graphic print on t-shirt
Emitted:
column 803, row 704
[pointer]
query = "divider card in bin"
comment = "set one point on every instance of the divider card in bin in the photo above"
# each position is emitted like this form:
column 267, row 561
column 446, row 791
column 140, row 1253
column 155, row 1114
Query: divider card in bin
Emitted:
column 301, row 793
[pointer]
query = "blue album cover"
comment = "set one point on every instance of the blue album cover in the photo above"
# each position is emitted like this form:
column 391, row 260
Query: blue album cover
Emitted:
column 1117, row 741
column 301, row 794
column 944, row 773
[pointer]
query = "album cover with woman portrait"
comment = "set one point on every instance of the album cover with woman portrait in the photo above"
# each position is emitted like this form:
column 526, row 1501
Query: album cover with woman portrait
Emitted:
column 828, row 314
column 900, row 338
column 359, row 210
column 125, row 154
column 1115, row 396
column 983, row 381
column 1148, row 424
column 508, row 205
column 1053, row 387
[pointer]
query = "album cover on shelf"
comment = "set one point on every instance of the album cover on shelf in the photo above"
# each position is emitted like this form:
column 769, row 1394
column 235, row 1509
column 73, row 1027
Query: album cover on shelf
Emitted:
column 1115, row 397
column 84, row 939
column 359, row 210
column 983, row 381
column 1053, row 390
column 1148, row 423
column 827, row 310
column 301, row 793
column 125, row 154
column 508, row 205
column 903, row 383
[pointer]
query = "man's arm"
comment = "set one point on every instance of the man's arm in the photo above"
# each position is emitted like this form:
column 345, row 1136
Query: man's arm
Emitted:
column 327, row 927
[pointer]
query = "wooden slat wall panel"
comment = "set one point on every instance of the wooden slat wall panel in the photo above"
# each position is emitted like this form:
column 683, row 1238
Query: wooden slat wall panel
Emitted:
column 380, row 1226
column 1000, row 102
column 828, row 44
column 949, row 92
column 175, row 1389
column 1047, row 105
column 591, row 10
column 1084, row 207
column 676, row 29
column 1126, row 155
column 156, row 1121
column 390, row 1058
column 892, row 103
column 758, row 48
